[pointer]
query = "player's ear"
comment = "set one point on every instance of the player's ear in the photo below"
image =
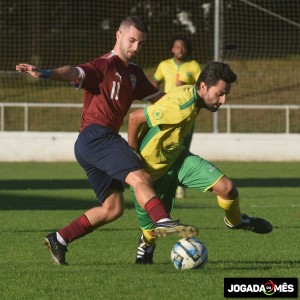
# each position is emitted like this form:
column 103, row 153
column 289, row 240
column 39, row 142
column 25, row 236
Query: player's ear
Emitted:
column 118, row 34
column 203, row 86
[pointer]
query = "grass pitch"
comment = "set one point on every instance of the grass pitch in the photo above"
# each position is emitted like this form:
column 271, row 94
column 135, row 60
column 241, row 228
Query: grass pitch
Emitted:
column 37, row 198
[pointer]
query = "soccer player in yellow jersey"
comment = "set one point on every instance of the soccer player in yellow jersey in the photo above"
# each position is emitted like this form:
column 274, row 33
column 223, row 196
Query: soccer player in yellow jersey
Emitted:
column 177, row 71
column 158, row 133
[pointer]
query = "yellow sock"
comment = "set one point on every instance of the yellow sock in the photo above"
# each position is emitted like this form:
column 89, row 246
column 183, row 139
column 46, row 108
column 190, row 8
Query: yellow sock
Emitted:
column 232, row 210
column 148, row 238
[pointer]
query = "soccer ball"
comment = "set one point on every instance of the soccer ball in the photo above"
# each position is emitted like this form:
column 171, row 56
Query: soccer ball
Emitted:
column 189, row 253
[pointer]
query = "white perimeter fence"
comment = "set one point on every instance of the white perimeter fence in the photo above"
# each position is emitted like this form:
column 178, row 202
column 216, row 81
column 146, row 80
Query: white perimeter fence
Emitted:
column 58, row 146
column 228, row 107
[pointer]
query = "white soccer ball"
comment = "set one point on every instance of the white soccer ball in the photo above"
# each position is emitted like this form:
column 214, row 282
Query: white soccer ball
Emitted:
column 189, row 253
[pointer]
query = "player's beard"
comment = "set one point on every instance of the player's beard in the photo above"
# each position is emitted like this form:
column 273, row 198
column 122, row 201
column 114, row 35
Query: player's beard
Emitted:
column 131, row 55
column 209, row 106
column 212, row 108
column 128, row 56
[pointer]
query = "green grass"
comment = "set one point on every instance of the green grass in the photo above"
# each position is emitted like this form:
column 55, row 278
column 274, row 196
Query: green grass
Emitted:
column 37, row 198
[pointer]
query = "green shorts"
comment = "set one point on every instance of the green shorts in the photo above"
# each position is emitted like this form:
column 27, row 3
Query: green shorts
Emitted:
column 190, row 171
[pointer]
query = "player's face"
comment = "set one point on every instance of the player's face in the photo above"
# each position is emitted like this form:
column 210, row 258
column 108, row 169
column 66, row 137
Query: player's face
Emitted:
column 214, row 96
column 130, row 41
column 179, row 50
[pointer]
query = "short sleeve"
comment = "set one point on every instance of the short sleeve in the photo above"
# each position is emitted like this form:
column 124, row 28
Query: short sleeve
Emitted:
column 144, row 90
column 94, row 73
column 158, row 75
column 197, row 70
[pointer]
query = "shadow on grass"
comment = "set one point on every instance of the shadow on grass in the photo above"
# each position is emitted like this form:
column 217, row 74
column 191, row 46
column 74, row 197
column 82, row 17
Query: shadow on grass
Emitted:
column 31, row 202
column 9, row 201
column 238, row 265
column 75, row 184
column 41, row 184
column 256, row 265
column 21, row 202
column 103, row 229
column 267, row 182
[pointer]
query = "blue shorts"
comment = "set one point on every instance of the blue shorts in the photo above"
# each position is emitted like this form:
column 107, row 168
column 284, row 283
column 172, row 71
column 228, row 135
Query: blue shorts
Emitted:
column 106, row 158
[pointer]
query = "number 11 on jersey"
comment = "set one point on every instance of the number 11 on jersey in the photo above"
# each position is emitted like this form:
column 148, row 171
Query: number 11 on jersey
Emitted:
column 115, row 90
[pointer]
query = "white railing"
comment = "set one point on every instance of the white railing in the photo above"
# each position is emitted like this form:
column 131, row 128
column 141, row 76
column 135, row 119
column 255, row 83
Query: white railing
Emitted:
column 286, row 107
column 27, row 105
column 228, row 107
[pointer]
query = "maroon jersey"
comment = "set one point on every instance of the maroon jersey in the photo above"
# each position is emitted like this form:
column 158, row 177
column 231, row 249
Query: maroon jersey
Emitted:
column 110, row 87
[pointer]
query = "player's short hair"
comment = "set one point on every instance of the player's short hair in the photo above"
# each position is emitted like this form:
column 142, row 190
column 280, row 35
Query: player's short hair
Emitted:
column 215, row 71
column 188, row 44
column 136, row 22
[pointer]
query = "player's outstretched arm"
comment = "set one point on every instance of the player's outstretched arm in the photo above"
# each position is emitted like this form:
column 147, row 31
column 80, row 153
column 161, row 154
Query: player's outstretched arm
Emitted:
column 136, row 120
column 66, row 73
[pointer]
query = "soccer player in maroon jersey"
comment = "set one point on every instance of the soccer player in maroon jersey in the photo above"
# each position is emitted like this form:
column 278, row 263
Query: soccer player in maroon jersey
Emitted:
column 110, row 82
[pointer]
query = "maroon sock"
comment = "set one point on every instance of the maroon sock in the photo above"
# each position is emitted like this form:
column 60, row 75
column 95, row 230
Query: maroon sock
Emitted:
column 156, row 210
column 76, row 229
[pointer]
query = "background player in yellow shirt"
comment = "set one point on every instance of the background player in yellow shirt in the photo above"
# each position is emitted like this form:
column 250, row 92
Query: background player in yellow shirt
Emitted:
column 177, row 71
column 158, row 133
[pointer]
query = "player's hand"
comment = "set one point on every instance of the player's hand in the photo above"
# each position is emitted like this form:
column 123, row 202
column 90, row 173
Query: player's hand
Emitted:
column 180, row 83
column 32, row 70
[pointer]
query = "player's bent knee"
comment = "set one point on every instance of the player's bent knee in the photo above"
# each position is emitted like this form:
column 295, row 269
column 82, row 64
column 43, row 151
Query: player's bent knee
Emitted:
column 225, row 188
column 138, row 177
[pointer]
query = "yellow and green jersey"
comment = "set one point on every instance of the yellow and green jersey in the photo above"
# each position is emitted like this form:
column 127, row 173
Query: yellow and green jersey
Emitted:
column 169, row 71
column 169, row 121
